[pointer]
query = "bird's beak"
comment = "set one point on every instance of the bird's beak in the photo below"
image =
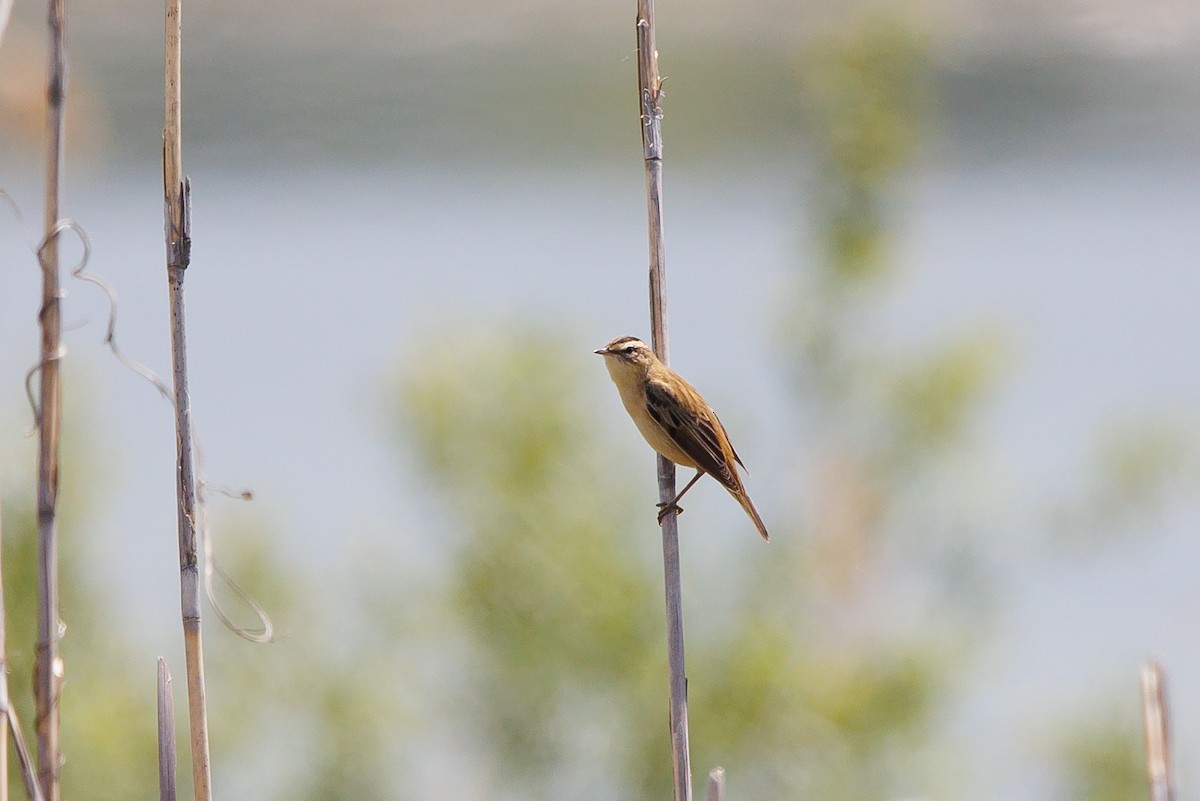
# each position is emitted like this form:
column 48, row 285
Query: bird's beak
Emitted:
column 601, row 351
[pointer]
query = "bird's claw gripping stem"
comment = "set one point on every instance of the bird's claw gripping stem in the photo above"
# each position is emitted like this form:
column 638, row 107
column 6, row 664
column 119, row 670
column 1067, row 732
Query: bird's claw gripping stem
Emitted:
column 665, row 508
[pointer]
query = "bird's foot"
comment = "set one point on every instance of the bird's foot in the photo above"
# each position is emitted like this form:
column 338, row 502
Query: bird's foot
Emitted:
column 665, row 508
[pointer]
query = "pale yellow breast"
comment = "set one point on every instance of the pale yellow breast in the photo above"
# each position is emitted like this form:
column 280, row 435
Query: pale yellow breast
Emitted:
column 633, row 396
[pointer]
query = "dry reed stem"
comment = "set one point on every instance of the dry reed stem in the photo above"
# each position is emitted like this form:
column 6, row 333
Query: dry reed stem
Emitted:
column 716, row 784
column 24, row 758
column 4, row 700
column 1158, row 734
column 178, row 236
column 5, row 15
column 649, row 89
column 47, row 683
column 8, row 716
column 166, row 734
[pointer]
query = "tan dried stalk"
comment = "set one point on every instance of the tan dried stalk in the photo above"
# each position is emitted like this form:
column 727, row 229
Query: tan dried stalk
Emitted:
column 649, row 91
column 716, row 784
column 8, row 716
column 5, row 15
column 1158, row 733
column 47, row 681
column 166, row 734
column 178, row 236
column 4, row 700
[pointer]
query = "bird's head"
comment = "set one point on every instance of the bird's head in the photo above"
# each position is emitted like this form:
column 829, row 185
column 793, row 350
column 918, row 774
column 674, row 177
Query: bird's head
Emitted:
column 627, row 354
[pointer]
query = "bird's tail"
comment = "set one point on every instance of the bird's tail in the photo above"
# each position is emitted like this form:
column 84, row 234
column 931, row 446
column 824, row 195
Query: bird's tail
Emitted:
column 744, row 499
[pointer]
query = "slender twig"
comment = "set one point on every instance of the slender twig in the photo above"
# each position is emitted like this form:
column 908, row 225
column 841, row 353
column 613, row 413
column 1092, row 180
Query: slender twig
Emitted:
column 177, row 191
column 8, row 717
column 716, row 784
column 166, row 734
column 4, row 701
column 649, row 92
column 24, row 758
column 1158, row 733
column 47, row 682
column 5, row 15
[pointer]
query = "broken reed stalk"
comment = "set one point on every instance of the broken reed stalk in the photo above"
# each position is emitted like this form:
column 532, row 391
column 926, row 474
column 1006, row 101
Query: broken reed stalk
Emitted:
column 5, row 15
column 716, row 784
column 47, row 679
column 1158, row 734
column 24, row 758
column 3, row 674
column 176, row 190
column 649, row 90
column 166, row 734
column 8, row 716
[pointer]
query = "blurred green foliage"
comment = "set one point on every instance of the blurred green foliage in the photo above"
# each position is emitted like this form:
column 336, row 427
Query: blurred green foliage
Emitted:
column 101, row 686
column 866, row 88
column 1136, row 468
column 549, row 600
column 1101, row 759
column 558, row 608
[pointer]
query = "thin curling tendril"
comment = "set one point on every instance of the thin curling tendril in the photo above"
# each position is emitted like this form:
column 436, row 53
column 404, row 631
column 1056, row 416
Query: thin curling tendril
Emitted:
column 266, row 629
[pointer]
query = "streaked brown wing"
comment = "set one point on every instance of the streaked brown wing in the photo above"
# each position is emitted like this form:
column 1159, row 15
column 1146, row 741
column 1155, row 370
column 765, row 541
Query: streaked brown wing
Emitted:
column 736, row 458
column 699, row 436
